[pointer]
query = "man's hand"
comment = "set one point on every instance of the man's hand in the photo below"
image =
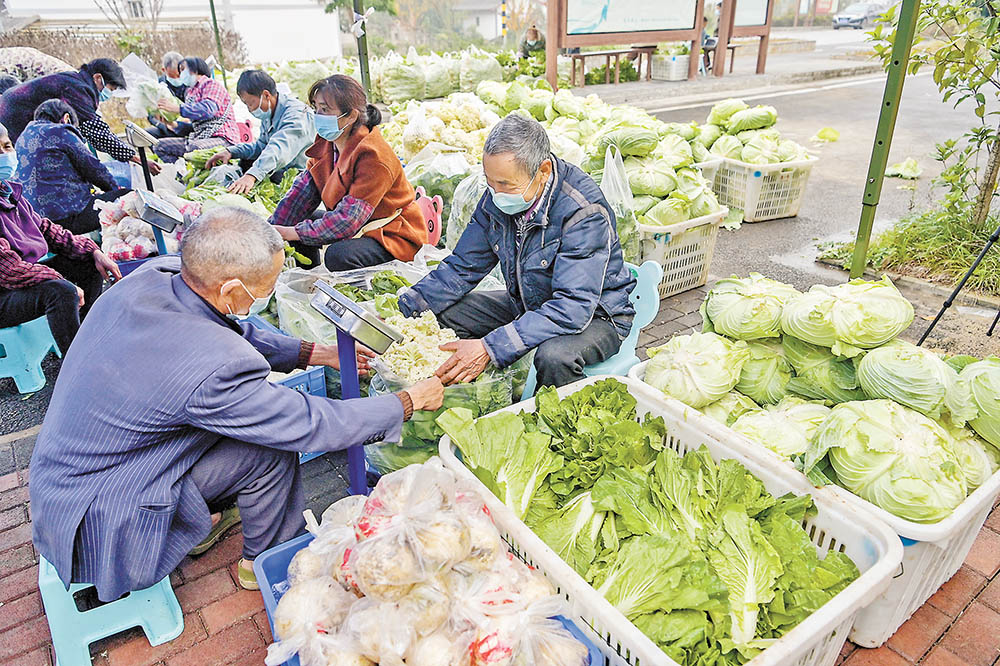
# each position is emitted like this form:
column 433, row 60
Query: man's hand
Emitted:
column 79, row 293
column 243, row 185
column 220, row 157
column 427, row 395
column 329, row 356
column 154, row 166
column 467, row 363
column 170, row 105
column 288, row 233
column 105, row 267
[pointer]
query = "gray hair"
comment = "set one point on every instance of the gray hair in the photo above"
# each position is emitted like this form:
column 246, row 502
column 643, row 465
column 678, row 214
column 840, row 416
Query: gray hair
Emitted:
column 227, row 243
column 3, row 130
column 524, row 137
column 171, row 59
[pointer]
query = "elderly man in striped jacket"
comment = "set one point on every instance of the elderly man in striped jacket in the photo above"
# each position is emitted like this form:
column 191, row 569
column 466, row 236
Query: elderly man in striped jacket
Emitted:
column 162, row 417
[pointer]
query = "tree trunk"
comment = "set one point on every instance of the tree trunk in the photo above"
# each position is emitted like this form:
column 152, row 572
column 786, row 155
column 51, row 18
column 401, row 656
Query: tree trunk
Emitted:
column 988, row 186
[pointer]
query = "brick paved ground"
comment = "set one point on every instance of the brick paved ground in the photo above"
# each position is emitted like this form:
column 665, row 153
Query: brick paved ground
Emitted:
column 959, row 626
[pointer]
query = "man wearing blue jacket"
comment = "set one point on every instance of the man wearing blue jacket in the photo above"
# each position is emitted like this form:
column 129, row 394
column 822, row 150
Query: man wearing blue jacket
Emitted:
column 553, row 233
column 163, row 416
column 286, row 132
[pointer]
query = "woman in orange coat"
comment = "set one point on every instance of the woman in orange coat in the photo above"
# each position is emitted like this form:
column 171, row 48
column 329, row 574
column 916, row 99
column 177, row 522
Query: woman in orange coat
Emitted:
column 371, row 214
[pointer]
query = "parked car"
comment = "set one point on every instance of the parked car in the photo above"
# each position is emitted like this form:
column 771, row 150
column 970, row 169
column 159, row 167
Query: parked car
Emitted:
column 857, row 16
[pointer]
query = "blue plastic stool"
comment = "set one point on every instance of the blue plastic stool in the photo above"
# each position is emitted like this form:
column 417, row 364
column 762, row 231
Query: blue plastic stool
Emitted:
column 646, row 300
column 155, row 609
column 22, row 349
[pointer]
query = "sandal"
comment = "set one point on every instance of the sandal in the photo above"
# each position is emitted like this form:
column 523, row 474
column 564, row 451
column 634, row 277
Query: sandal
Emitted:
column 247, row 578
column 230, row 517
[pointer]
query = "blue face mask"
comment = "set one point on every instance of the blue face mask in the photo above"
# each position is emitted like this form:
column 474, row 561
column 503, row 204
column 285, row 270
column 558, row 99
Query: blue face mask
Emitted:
column 328, row 127
column 512, row 204
column 176, row 82
column 105, row 94
column 259, row 113
column 8, row 165
column 187, row 78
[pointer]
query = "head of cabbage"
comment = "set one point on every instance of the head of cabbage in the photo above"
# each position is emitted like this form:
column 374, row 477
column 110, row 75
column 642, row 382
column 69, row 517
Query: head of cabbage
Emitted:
column 785, row 428
column 979, row 459
column 747, row 308
column 729, row 407
column 850, row 317
column 914, row 377
column 727, row 145
column 697, row 369
column 981, row 381
column 819, row 374
column 892, row 456
column 723, row 110
column 766, row 375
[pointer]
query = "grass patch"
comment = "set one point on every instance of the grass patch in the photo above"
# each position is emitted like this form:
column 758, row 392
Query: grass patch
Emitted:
column 930, row 245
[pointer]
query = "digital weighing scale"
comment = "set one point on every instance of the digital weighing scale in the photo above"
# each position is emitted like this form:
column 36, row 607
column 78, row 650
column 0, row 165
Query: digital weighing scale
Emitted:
column 354, row 324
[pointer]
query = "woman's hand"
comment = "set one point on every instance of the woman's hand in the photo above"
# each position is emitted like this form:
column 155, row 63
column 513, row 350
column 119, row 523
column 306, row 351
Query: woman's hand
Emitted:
column 288, row 233
column 170, row 105
column 244, row 185
column 329, row 356
column 106, row 267
column 79, row 295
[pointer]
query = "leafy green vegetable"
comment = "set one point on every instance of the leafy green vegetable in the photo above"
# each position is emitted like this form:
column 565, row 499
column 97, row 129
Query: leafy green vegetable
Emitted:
column 636, row 141
column 908, row 169
column 759, row 117
column 573, row 531
column 697, row 369
column 510, row 461
column 825, row 135
column 727, row 146
column 892, row 456
column 724, row 110
column 669, row 211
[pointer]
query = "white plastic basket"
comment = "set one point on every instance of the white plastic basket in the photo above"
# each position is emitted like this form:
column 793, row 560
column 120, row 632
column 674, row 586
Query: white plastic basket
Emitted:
column 932, row 553
column 670, row 67
column 709, row 168
column 684, row 250
column 815, row 642
column 763, row 191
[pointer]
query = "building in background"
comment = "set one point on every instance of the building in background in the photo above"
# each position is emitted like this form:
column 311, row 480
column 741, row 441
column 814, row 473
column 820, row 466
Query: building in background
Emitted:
column 271, row 29
column 483, row 16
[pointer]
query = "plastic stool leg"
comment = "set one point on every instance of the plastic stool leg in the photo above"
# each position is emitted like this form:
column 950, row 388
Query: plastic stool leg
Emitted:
column 529, row 384
column 62, row 616
column 162, row 620
column 29, row 378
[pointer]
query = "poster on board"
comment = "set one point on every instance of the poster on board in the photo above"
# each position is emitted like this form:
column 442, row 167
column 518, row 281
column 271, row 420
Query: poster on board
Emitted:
column 591, row 17
column 751, row 12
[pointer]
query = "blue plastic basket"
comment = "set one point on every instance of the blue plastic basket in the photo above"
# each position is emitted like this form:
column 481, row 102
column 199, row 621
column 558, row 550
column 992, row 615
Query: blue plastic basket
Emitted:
column 271, row 569
column 311, row 381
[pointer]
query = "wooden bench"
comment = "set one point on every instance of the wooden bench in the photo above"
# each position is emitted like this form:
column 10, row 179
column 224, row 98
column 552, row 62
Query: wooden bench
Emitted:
column 710, row 62
column 607, row 55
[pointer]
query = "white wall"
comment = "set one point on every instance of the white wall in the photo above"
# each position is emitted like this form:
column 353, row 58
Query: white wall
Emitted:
column 271, row 29
column 488, row 25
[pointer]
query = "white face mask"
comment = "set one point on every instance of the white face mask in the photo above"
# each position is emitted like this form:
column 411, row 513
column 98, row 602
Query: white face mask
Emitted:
column 258, row 305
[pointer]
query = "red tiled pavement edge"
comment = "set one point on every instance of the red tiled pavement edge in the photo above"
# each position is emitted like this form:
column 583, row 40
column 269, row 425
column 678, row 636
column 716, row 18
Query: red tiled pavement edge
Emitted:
column 959, row 625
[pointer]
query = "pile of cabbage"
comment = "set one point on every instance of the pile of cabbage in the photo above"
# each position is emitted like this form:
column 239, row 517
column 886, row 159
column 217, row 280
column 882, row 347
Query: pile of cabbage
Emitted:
column 737, row 131
column 460, row 121
column 821, row 378
column 694, row 551
column 416, row 574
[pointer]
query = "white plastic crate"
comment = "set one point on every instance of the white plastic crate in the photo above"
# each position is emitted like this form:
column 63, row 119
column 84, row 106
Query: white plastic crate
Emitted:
column 932, row 553
column 815, row 642
column 763, row 191
column 709, row 168
column 670, row 67
column 684, row 250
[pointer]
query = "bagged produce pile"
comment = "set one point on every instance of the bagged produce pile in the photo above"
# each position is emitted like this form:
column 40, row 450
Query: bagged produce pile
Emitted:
column 125, row 237
column 821, row 378
column 696, row 553
column 416, row 574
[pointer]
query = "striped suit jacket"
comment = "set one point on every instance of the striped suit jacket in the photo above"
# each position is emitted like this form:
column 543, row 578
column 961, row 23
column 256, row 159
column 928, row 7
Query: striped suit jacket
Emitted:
column 154, row 378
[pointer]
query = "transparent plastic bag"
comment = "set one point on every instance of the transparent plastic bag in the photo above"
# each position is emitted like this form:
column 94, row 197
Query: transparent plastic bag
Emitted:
column 467, row 196
column 616, row 190
column 317, row 606
column 492, row 390
column 441, row 648
column 528, row 637
column 380, row 631
column 476, row 66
